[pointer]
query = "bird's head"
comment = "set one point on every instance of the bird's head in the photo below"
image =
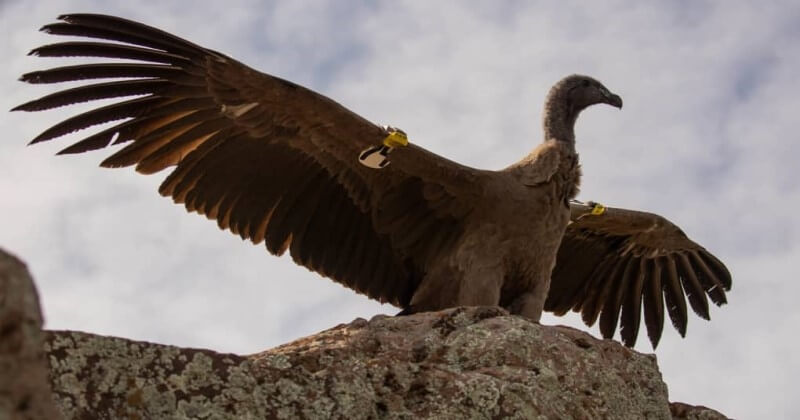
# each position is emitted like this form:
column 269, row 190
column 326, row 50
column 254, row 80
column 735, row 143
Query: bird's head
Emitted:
column 567, row 99
column 581, row 91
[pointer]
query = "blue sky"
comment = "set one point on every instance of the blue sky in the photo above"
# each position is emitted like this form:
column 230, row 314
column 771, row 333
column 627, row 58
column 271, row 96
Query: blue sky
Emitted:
column 707, row 138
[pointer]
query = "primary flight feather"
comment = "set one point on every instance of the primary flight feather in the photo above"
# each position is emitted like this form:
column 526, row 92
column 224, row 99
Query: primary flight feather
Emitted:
column 277, row 163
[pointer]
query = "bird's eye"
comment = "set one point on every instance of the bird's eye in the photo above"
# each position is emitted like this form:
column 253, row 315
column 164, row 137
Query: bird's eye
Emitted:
column 585, row 83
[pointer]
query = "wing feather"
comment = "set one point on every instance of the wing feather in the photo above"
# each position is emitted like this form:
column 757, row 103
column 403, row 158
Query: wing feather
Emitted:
column 268, row 159
column 597, row 300
column 613, row 303
column 632, row 305
column 95, row 92
column 653, row 301
column 694, row 291
column 712, row 285
column 661, row 266
column 109, row 113
column 674, row 296
column 307, row 246
column 106, row 50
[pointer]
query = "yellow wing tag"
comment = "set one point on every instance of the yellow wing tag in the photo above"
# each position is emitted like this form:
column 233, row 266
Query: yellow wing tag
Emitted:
column 377, row 157
column 598, row 209
column 396, row 139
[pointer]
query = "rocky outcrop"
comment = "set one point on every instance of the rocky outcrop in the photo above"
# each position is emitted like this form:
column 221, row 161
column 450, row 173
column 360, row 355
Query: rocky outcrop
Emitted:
column 24, row 389
column 694, row 412
column 459, row 363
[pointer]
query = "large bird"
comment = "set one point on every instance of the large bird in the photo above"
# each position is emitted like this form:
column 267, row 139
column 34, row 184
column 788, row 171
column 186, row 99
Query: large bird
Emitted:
column 277, row 163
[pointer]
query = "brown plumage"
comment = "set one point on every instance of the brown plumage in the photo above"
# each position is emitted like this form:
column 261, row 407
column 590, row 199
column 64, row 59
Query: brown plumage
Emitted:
column 619, row 261
column 277, row 163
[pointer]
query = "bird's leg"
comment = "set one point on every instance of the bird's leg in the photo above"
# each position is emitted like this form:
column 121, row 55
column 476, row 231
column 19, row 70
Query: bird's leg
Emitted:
column 530, row 304
column 445, row 287
column 480, row 287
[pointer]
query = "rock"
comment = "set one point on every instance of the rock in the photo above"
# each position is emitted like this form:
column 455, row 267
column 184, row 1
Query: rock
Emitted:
column 24, row 389
column 694, row 412
column 477, row 362
column 458, row 363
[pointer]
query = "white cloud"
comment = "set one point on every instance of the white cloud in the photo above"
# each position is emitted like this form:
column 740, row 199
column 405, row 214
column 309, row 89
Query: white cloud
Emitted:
column 706, row 138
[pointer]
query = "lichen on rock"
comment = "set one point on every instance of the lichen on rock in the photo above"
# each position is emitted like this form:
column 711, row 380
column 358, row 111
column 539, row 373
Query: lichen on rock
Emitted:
column 458, row 363
column 475, row 362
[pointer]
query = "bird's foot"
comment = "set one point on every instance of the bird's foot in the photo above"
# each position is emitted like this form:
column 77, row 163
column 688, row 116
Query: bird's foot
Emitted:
column 406, row 311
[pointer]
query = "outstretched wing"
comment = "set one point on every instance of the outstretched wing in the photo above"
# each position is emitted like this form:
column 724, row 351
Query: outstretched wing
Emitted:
column 268, row 159
column 612, row 264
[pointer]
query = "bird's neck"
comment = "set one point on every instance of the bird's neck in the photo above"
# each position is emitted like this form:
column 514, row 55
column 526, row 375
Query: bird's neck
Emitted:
column 559, row 120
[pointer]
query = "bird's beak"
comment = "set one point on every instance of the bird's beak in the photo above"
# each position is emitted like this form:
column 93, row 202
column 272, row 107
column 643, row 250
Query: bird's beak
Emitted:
column 614, row 100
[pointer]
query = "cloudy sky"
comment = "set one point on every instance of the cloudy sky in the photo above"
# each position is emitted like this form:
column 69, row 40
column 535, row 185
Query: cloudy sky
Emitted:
column 707, row 138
